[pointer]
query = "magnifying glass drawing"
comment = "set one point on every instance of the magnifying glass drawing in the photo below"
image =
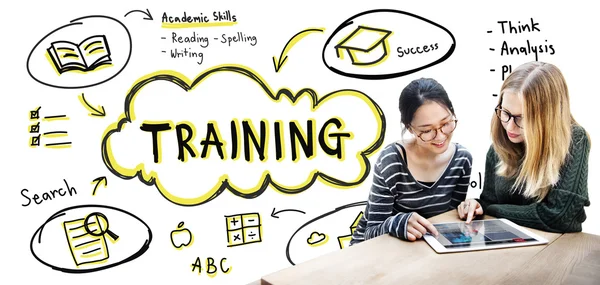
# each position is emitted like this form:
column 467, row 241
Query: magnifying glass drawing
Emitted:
column 96, row 224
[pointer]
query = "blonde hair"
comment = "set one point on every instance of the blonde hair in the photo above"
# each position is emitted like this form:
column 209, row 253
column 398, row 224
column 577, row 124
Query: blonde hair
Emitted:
column 547, row 123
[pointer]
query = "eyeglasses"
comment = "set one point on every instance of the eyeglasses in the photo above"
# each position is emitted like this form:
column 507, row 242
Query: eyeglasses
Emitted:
column 505, row 117
column 446, row 129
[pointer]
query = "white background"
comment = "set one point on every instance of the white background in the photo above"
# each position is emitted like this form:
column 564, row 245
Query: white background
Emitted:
column 571, row 29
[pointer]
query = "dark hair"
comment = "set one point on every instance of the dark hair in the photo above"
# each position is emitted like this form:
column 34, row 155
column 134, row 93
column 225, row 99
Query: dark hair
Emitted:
column 417, row 93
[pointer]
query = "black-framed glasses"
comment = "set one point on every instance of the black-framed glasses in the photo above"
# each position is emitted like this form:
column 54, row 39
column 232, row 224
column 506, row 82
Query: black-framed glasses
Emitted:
column 505, row 117
column 446, row 129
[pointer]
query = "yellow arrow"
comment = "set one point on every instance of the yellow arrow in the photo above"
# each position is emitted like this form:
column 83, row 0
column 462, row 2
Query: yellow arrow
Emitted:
column 94, row 111
column 283, row 57
column 98, row 181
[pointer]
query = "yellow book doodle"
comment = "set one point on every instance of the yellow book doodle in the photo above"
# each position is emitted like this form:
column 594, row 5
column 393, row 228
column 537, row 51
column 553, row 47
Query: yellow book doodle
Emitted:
column 85, row 56
column 85, row 247
column 365, row 46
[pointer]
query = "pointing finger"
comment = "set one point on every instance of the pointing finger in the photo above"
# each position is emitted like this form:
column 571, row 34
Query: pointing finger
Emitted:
column 470, row 212
column 429, row 226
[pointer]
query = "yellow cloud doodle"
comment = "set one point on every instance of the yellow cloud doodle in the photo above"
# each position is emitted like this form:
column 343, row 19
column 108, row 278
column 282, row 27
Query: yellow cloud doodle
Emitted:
column 317, row 239
column 337, row 222
column 193, row 139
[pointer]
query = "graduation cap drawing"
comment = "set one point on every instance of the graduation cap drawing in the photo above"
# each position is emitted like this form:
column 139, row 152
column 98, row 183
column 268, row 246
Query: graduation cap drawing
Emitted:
column 365, row 46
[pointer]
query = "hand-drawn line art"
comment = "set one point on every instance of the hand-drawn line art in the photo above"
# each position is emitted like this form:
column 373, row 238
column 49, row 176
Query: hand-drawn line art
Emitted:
column 94, row 112
column 415, row 43
column 243, row 229
column 49, row 195
column 210, row 267
column 365, row 46
column 239, row 144
column 98, row 181
column 71, row 63
column 181, row 237
column 344, row 241
column 35, row 139
column 278, row 64
column 274, row 214
column 35, row 113
column 89, row 238
column 198, row 20
column 302, row 251
column 86, row 238
column 90, row 54
column 147, row 13
column 34, row 129
column 317, row 239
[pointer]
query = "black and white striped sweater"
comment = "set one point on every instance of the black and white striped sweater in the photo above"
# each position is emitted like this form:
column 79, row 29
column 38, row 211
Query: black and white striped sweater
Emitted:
column 395, row 194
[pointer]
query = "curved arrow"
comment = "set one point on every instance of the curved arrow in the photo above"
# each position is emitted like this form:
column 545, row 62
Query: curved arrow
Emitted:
column 94, row 111
column 98, row 181
column 147, row 13
column 274, row 214
column 283, row 57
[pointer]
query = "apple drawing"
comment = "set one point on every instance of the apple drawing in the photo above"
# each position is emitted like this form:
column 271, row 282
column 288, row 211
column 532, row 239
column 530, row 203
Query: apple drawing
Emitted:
column 181, row 236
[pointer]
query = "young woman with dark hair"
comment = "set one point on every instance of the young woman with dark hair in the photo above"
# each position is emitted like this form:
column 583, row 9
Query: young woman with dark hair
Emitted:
column 421, row 177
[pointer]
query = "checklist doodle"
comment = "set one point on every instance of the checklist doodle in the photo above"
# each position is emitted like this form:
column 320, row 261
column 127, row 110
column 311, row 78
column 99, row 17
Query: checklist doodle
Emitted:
column 243, row 229
column 36, row 134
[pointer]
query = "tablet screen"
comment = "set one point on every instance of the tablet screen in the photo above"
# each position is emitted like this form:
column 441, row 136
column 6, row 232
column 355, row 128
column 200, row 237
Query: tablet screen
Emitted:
column 479, row 233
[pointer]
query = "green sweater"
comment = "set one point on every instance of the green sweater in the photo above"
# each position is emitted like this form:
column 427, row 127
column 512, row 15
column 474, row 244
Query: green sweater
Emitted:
column 562, row 210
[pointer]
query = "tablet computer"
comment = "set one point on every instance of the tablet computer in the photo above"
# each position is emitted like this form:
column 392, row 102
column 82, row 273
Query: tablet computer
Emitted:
column 481, row 235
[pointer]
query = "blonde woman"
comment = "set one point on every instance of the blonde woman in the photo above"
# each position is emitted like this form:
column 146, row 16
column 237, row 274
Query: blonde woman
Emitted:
column 536, row 169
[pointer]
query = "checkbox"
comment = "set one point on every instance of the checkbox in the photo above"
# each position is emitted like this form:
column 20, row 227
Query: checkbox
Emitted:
column 34, row 128
column 35, row 140
column 34, row 114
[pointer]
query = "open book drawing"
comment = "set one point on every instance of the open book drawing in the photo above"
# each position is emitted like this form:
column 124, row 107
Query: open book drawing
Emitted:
column 88, row 55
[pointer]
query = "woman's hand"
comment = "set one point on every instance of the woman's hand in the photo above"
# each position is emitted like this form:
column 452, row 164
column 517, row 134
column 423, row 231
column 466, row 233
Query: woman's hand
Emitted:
column 468, row 209
column 417, row 227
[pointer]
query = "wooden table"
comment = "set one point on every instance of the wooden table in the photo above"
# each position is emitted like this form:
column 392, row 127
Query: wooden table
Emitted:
column 573, row 258
column 388, row 260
